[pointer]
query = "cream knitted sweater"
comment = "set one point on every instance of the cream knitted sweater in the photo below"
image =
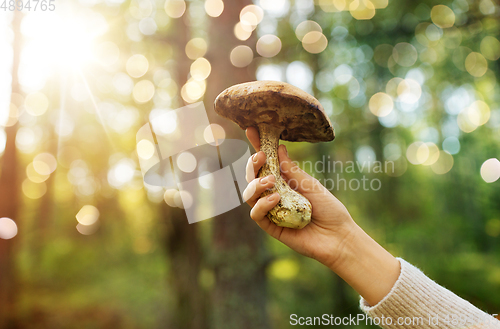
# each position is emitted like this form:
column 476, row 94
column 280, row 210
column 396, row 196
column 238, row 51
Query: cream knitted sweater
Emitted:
column 416, row 301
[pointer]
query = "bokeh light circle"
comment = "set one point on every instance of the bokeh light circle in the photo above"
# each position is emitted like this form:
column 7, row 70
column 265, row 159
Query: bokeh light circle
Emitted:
column 241, row 56
column 240, row 32
column 193, row 90
column 33, row 190
column 145, row 149
column 251, row 15
column 268, row 45
column 476, row 64
column 442, row 16
column 200, row 69
column 417, row 153
column 175, row 8
column 490, row 170
column 305, row 27
column 405, row 54
column 88, row 215
column 34, row 176
column 137, row 66
column 490, row 48
column 443, row 164
column 143, row 91
column 44, row 163
column 409, row 91
column 214, row 8
column 381, row 104
column 195, row 48
column 314, row 42
column 186, row 162
column 433, row 155
column 169, row 197
column 479, row 113
column 8, row 228
column 214, row 134
column 362, row 9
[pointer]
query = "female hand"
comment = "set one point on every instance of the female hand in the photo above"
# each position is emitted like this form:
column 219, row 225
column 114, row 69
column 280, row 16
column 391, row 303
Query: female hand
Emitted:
column 332, row 237
column 331, row 224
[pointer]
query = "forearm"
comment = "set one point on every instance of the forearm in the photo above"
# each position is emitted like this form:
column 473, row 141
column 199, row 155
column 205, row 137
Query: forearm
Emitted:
column 366, row 266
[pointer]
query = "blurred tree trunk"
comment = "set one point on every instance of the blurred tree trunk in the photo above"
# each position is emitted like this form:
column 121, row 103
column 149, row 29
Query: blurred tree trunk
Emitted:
column 9, row 198
column 183, row 242
column 184, row 252
column 239, row 296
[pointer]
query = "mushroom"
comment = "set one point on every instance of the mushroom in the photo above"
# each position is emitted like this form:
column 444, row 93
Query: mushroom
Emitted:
column 279, row 111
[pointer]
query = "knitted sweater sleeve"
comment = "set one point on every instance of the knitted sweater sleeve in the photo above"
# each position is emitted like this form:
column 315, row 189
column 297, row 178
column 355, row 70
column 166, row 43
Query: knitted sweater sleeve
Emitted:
column 416, row 301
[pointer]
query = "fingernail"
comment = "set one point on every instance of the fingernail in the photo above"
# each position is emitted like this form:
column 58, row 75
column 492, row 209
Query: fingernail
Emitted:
column 284, row 149
column 263, row 180
column 272, row 197
column 254, row 157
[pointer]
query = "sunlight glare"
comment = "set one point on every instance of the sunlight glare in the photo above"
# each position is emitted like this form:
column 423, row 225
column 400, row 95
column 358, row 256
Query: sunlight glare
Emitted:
column 61, row 41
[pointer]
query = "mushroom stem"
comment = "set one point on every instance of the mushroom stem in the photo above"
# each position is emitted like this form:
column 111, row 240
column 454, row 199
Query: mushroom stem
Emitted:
column 293, row 210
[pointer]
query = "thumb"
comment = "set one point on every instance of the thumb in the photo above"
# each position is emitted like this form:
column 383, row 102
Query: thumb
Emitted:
column 295, row 177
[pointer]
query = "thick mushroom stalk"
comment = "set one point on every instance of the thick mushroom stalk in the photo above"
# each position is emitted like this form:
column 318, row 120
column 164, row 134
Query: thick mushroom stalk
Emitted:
column 293, row 210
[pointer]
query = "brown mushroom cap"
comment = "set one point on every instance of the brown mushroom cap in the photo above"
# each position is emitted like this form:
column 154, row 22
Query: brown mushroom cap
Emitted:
column 279, row 104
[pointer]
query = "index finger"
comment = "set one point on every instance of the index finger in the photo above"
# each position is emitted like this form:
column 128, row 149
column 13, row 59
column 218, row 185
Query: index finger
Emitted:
column 253, row 136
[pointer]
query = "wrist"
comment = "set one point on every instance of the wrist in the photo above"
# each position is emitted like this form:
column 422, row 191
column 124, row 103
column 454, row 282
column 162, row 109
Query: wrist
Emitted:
column 366, row 266
column 345, row 251
column 332, row 244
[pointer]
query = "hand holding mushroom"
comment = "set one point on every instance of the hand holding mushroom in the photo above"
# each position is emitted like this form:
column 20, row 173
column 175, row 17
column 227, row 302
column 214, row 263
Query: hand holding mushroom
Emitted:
column 271, row 111
column 332, row 237
column 277, row 110
column 330, row 223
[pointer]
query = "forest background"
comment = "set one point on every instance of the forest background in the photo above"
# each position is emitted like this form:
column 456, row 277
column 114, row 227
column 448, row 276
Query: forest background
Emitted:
column 85, row 244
